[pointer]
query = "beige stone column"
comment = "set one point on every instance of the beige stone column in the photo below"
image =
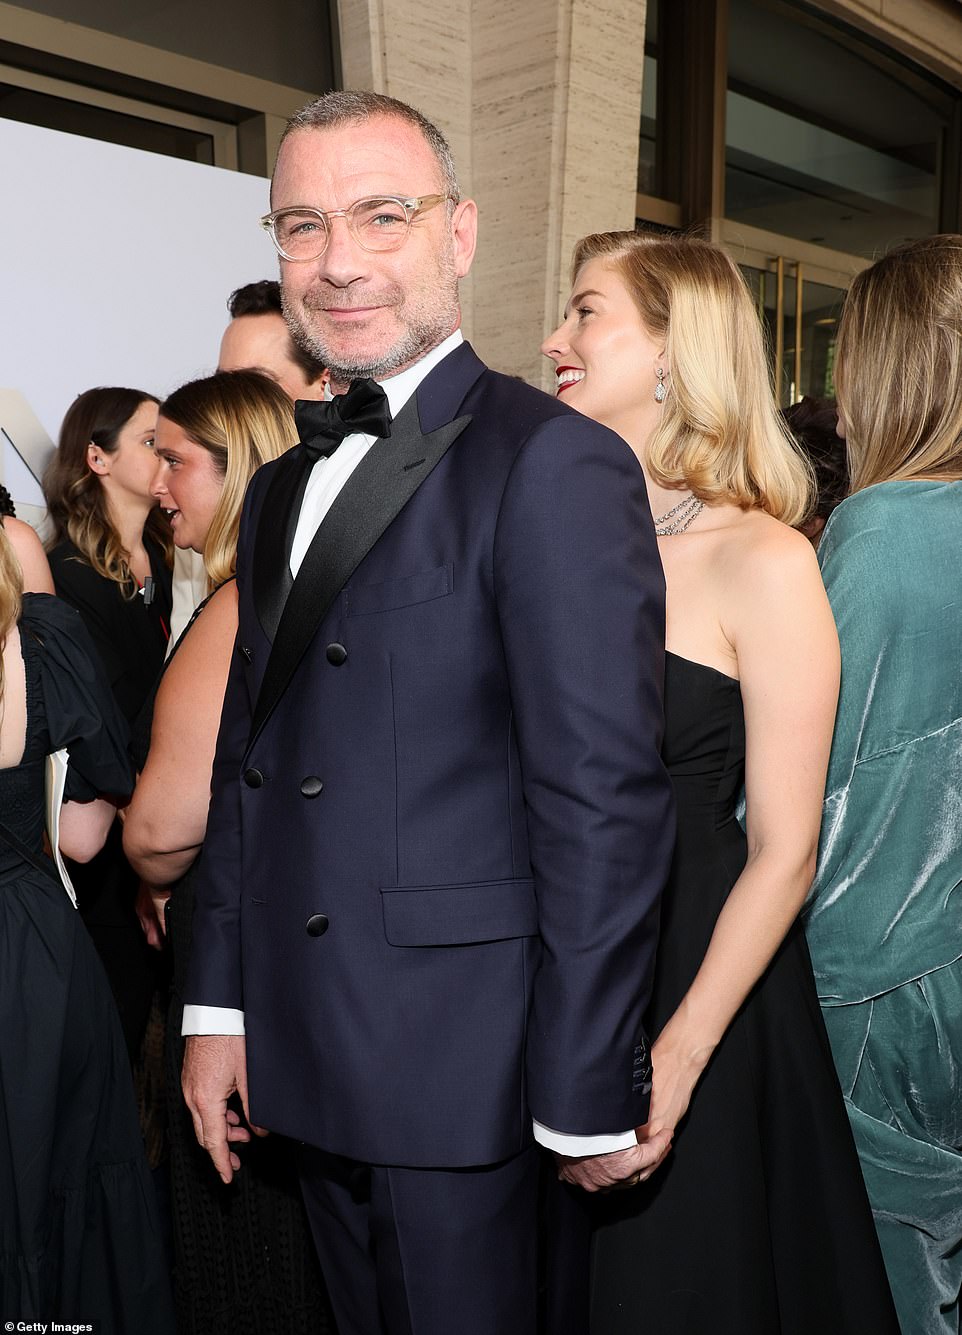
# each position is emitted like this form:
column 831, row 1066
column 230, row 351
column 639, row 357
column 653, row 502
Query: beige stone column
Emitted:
column 542, row 104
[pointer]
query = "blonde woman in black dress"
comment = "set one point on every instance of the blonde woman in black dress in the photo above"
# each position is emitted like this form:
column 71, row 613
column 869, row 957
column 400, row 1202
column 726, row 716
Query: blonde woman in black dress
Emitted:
column 757, row 1222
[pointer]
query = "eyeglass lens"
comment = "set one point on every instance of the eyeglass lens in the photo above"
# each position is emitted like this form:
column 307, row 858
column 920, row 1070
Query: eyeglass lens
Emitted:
column 378, row 224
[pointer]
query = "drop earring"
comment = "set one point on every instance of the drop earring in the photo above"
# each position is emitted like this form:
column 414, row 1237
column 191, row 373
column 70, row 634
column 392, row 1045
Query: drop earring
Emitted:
column 661, row 389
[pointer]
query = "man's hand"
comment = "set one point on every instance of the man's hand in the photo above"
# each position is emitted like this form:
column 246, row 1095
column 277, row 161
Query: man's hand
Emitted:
column 623, row 1168
column 215, row 1066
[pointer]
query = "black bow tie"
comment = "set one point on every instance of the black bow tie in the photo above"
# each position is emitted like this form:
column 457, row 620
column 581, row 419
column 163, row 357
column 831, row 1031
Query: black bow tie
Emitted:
column 322, row 426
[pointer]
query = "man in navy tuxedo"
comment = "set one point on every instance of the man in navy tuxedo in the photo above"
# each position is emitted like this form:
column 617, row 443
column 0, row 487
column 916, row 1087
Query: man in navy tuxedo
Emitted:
column 428, row 904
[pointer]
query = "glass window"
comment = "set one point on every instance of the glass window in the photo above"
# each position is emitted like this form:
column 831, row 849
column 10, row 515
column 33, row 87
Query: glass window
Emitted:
column 828, row 138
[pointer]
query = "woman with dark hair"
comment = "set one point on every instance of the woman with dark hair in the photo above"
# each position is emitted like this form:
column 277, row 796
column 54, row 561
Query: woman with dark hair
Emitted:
column 882, row 921
column 111, row 558
column 757, row 1223
column 814, row 426
column 80, row 1241
column 244, row 1261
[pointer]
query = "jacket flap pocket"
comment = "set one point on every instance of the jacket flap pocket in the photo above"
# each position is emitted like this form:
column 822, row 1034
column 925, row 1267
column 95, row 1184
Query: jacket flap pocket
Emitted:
column 459, row 915
column 362, row 599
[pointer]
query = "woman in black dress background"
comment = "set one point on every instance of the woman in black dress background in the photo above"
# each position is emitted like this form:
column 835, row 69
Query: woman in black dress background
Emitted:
column 111, row 559
column 757, row 1222
column 244, row 1259
column 79, row 1235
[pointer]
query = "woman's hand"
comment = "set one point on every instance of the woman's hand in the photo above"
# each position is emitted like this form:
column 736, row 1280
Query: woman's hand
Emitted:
column 150, row 904
column 676, row 1070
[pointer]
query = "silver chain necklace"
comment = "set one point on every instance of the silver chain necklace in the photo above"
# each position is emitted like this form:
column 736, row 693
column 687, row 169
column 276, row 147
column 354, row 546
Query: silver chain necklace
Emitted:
column 679, row 517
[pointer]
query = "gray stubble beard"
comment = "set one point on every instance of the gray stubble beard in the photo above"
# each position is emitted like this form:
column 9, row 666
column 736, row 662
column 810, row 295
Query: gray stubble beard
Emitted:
column 421, row 335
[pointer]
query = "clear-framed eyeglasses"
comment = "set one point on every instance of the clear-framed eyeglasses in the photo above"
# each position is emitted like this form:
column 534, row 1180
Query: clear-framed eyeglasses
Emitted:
column 380, row 223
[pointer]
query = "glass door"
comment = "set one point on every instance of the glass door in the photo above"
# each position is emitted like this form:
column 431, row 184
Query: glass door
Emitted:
column 800, row 315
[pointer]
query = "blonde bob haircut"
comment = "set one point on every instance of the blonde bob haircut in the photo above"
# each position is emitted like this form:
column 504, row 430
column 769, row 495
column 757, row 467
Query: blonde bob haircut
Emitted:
column 720, row 434
column 242, row 419
column 898, row 368
column 11, row 591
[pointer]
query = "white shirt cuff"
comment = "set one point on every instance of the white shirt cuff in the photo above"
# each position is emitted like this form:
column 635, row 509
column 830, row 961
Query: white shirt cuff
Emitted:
column 577, row 1147
column 212, row 1020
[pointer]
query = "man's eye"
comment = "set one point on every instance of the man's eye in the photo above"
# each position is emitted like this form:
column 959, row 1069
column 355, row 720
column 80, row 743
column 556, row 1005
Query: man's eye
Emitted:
column 295, row 228
column 380, row 215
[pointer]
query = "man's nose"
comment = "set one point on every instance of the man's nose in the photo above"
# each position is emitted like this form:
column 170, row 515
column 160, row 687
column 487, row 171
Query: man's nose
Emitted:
column 344, row 260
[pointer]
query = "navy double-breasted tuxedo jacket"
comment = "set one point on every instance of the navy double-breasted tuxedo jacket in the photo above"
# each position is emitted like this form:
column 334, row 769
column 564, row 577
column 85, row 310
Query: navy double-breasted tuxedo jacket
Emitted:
column 440, row 824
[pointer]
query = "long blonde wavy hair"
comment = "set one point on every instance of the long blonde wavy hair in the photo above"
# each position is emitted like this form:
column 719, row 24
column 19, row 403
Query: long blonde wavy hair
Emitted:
column 75, row 496
column 898, row 367
column 11, row 593
column 720, row 435
column 242, row 419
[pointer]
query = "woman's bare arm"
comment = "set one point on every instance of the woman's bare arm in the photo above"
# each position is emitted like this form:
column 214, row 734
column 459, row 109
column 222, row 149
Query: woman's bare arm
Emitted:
column 782, row 630
column 167, row 817
column 84, row 827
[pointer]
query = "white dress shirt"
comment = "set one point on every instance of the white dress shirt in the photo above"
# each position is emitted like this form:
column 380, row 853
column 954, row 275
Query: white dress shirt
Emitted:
column 327, row 478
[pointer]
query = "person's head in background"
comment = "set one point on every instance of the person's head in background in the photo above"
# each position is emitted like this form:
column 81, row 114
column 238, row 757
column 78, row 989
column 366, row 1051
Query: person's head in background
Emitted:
column 212, row 435
column 814, row 425
column 258, row 339
column 98, row 484
column 898, row 365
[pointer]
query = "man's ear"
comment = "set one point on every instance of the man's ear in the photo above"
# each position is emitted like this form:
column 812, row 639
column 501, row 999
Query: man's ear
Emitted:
column 97, row 460
column 464, row 229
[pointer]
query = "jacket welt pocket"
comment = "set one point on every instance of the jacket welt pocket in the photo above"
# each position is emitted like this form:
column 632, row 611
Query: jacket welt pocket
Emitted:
column 459, row 915
column 363, row 599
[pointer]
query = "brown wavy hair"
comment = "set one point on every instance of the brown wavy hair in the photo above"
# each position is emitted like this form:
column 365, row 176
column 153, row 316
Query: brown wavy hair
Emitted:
column 720, row 433
column 898, row 367
column 242, row 419
column 76, row 500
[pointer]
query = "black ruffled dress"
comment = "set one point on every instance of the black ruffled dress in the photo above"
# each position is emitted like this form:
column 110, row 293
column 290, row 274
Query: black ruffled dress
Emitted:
column 80, row 1239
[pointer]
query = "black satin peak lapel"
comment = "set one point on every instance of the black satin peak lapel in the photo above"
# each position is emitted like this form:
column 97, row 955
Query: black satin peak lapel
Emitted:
column 271, row 578
column 372, row 498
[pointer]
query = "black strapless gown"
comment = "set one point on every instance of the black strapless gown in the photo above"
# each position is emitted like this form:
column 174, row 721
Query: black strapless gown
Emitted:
column 80, row 1238
column 758, row 1222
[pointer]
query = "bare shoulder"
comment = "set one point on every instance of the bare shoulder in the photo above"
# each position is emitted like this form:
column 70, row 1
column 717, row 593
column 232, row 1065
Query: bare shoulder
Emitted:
column 31, row 555
column 205, row 651
column 763, row 555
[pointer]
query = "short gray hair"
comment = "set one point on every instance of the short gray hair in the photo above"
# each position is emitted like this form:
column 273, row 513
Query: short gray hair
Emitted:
column 353, row 106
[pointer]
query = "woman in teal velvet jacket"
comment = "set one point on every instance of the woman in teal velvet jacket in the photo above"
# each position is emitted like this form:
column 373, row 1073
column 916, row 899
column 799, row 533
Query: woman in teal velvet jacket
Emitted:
column 885, row 917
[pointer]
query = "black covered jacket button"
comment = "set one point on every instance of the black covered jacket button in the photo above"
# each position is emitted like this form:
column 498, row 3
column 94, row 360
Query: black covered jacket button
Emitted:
column 336, row 654
column 253, row 778
column 311, row 786
column 317, row 924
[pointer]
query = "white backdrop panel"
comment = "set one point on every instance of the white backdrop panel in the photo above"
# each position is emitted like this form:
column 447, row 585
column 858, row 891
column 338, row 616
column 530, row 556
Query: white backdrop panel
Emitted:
column 115, row 267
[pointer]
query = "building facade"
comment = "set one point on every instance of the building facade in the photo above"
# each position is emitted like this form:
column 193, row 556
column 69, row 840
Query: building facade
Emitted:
column 805, row 137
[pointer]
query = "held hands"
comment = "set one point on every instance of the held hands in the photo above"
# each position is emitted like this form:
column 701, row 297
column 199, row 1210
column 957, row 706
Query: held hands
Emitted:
column 676, row 1069
column 215, row 1066
column 622, row 1168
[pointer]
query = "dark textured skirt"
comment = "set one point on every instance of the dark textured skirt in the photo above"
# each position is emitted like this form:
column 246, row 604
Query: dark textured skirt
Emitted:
column 80, row 1239
column 244, row 1259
